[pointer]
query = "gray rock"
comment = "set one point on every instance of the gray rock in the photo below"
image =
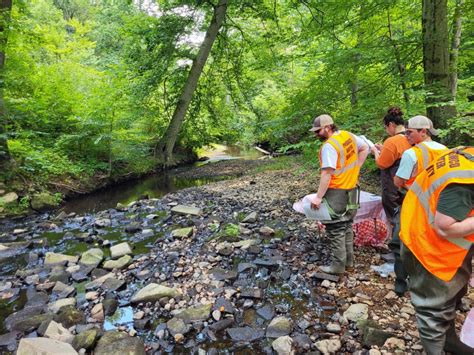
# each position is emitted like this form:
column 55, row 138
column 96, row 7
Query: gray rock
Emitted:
column 328, row 346
column 116, row 251
column 57, row 305
column 92, row 257
column 54, row 258
column 254, row 293
column 117, row 264
column 266, row 231
column 246, row 244
column 20, row 320
column 112, row 284
column 113, row 343
column 153, row 292
column 110, row 306
column 279, row 326
column 102, row 223
column 197, row 313
column 57, row 332
column 177, row 326
column 357, row 312
column 70, row 316
column 250, row 218
column 333, row 328
column 223, row 275
column 242, row 267
column 9, row 198
column 187, row 210
column 44, row 346
column 85, row 340
column 222, row 324
column 182, row 233
column 133, row 227
column 267, row 312
column 44, row 201
column 374, row 336
column 223, row 305
column 62, row 290
column 245, row 334
column 283, row 345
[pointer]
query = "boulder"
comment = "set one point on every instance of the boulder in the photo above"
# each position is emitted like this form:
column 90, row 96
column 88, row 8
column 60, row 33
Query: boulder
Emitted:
column 44, row 346
column 57, row 332
column 54, row 258
column 182, row 233
column 194, row 314
column 279, row 326
column 113, row 343
column 116, row 251
column 117, row 264
column 153, row 292
column 44, row 201
column 92, row 257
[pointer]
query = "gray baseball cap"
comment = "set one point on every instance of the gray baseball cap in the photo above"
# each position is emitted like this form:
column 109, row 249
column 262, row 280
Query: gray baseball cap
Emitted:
column 419, row 122
column 321, row 121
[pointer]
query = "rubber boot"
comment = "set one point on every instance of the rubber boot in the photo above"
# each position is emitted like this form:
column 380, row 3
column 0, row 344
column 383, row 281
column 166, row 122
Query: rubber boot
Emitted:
column 454, row 344
column 332, row 269
column 349, row 246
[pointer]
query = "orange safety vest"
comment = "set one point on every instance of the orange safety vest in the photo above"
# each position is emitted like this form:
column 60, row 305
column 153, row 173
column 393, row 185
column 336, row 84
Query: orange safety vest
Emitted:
column 440, row 256
column 346, row 174
column 424, row 156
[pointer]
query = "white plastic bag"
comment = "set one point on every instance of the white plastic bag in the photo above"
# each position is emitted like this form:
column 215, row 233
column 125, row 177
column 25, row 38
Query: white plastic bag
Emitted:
column 467, row 330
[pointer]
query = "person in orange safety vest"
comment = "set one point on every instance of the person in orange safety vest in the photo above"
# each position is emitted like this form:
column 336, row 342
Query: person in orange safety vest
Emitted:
column 341, row 156
column 437, row 233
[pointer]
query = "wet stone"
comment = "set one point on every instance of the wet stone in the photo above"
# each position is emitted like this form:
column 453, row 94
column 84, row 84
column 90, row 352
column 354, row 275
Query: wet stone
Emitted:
column 85, row 340
column 278, row 327
column 242, row 267
column 222, row 324
column 186, row 210
column 254, row 293
column 177, row 326
column 110, row 306
column 116, row 251
column 245, row 334
column 223, row 275
column 62, row 290
column 112, row 343
column 223, row 305
column 250, row 218
column 267, row 312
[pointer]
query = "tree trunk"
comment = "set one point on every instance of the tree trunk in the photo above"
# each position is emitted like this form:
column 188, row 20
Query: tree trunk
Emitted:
column 168, row 141
column 400, row 65
column 455, row 43
column 440, row 105
column 5, row 11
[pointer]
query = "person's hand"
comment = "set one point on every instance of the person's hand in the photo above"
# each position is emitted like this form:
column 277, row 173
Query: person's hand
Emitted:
column 316, row 203
column 378, row 146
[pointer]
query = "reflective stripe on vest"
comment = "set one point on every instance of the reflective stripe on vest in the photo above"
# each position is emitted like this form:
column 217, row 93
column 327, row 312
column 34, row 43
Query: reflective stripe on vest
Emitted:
column 440, row 256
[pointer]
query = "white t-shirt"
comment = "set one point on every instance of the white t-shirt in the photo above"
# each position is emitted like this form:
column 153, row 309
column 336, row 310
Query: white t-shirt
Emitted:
column 329, row 153
column 409, row 160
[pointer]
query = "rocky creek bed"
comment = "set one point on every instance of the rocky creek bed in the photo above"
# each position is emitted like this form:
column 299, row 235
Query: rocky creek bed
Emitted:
column 224, row 268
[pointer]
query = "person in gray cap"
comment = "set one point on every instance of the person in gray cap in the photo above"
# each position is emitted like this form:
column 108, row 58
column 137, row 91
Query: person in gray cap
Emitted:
column 341, row 156
column 419, row 132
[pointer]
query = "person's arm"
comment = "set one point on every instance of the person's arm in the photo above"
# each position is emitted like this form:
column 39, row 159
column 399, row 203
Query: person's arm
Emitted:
column 386, row 156
column 363, row 152
column 448, row 227
column 326, row 174
column 404, row 172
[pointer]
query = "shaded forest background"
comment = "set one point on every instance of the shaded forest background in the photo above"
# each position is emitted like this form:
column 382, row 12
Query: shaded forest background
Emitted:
column 89, row 87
